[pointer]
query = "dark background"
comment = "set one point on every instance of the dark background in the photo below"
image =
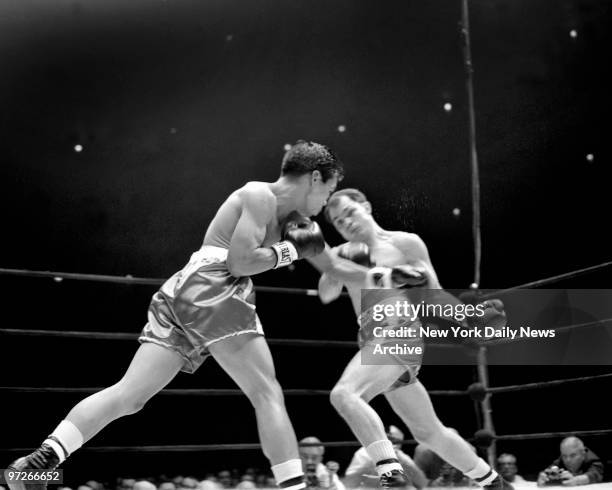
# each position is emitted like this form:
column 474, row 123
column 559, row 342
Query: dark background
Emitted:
column 176, row 103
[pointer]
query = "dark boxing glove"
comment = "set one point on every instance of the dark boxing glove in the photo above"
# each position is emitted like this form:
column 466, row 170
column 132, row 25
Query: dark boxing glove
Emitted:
column 356, row 252
column 302, row 238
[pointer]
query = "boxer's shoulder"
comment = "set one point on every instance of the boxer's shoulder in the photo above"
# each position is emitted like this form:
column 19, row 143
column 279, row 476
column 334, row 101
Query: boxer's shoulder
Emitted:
column 409, row 243
column 257, row 197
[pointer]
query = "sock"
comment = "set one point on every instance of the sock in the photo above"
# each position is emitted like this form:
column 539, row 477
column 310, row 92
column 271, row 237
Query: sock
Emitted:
column 383, row 454
column 482, row 473
column 289, row 475
column 65, row 439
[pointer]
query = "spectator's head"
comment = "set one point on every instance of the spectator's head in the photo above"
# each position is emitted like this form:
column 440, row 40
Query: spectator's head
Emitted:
column 395, row 435
column 188, row 483
column 166, row 485
column 311, row 455
column 246, row 485
column 144, row 485
column 126, row 483
column 573, row 453
column 270, row 482
column 209, row 485
column 247, row 477
column 506, row 466
column 177, row 480
column 225, row 478
column 84, row 487
column 94, row 484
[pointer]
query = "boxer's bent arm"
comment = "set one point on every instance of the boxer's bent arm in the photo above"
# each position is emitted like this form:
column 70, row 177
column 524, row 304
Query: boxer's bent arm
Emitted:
column 246, row 257
column 329, row 289
column 341, row 270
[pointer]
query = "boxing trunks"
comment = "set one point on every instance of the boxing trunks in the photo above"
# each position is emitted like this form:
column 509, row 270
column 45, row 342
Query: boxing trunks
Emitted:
column 199, row 305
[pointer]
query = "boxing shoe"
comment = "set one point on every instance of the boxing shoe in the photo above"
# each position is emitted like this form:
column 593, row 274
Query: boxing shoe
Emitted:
column 44, row 458
column 499, row 484
column 393, row 479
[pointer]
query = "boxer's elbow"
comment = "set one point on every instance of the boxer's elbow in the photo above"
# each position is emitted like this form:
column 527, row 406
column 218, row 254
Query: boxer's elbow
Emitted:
column 329, row 289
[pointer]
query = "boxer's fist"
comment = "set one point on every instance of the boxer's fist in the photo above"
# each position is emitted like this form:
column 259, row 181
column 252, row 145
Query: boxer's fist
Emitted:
column 398, row 277
column 493, row 315
column 356, row 252
column 302, row 238
column 406, row 276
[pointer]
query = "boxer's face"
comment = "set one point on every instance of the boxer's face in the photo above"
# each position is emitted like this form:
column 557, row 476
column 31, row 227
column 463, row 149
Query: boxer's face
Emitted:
column 319, row 193
column 350, row 218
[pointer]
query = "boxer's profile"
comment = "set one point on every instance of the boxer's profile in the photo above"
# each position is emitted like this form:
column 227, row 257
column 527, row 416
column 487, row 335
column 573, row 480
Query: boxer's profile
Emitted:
column 206, row 309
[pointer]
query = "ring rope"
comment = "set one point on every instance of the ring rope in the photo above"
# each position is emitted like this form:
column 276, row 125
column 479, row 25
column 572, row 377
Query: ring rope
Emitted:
column 562, row 329
column 549, row 280
column 191, row 391
column 130, row 336
column 128, row 279
column 254, row 446
column 544, row 384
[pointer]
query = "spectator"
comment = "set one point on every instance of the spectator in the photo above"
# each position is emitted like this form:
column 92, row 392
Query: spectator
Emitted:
column 317, row 474
column 225, row 479
column 125, row 483
column 209, row 485
column 362, row 470
column 577, row 465
column 144, row 485
column 246, row 485
column 451, row 477
column 506, row 467
column 166, row 485
column 188, row 483
column 429, row 462
column 84, row 487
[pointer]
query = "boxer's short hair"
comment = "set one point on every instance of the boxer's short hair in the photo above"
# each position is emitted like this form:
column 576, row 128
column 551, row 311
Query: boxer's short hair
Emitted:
column 352, row 194
column 307, row 156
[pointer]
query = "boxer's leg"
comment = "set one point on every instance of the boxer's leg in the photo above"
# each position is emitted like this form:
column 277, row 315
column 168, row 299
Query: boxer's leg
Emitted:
column 357, row 386
column 247, row 359
column 152, row 368
column 413, row 404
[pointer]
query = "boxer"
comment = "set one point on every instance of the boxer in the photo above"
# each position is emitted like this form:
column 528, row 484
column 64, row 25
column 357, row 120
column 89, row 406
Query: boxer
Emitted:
column 396, row 260
column 206, row 309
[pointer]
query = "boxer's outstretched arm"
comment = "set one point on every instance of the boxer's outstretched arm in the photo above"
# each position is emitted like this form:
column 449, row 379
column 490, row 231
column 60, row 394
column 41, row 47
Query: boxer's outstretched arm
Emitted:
column 341, row 270
column 246, row 256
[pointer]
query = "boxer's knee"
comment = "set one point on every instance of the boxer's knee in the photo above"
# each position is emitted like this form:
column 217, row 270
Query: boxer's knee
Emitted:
column 342, row 397
column 266, row 393
column 127, row 401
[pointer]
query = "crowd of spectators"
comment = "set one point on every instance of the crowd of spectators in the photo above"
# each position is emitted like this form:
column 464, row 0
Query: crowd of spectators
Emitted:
column 574, row 465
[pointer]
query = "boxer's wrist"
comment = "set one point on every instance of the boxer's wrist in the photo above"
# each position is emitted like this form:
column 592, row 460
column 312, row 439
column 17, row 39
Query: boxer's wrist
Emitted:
column 285, row 252
column 378, row 277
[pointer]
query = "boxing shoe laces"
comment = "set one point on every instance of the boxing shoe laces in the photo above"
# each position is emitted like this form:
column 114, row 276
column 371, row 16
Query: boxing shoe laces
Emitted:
column 393, row 479
column 43, row 458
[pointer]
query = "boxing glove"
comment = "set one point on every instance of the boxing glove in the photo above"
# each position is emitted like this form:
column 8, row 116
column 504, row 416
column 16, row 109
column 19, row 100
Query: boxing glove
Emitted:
column 302, row 238
column 356, row 252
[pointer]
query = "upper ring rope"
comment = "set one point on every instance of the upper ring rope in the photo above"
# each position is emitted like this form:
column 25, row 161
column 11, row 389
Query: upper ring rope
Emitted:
column 546, row 281
column 270, row 289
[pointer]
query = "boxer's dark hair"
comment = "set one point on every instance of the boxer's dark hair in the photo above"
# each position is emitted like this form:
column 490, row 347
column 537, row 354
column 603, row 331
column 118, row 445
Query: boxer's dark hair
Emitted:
column 307, row 156
column 352, row 194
